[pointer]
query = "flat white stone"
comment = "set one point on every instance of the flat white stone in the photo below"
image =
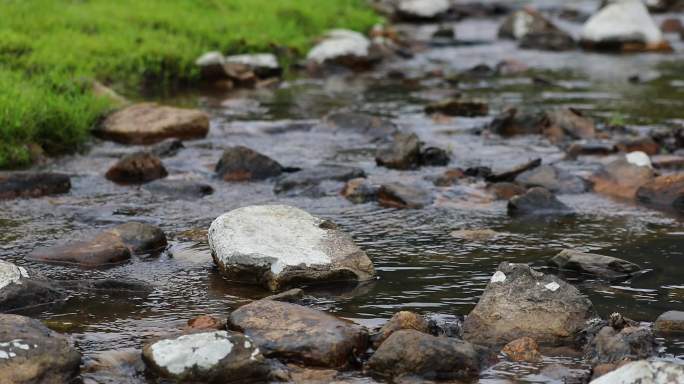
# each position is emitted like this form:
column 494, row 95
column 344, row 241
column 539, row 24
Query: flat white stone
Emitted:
column 498, row 277
column 203, row 350
column 261, row 60
column 10, row 274
column 276, row 234
column 424, row 8
column 340, row 43
column 552, row 286
column 639, row 159
column 622, row 20
column 210, row 58
column 644, row 372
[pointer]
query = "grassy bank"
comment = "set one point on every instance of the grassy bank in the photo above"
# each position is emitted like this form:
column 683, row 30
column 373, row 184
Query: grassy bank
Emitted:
column 48, row 48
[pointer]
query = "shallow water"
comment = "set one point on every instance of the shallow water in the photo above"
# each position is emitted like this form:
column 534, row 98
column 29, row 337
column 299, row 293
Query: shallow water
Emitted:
column 420, row 267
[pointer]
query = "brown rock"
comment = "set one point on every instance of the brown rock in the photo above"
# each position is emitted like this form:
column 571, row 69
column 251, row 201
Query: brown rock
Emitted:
column 299, row 334
column 670, row 321
column 449, row 177
column 359, row 191
column 668, row 161
column 396, row 195
column 401, row 320
column 506, row 191
column 562, row 123
column 32, row 184
column 244, row 164
column 206, row 322
column 149, row 123
column 643, row 144
column 140, row 237
column 621, row 179
column 672, row 25
column 663, row 191
column 139, row 167
column 402, row 153
column 106, row 248
column 511, row 174
column 523, row 349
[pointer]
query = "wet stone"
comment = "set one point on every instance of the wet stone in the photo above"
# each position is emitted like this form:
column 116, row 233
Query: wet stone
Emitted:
column 276, row 246
column 306, row 179
column 506, row 191
column 521, row 302
column 18, row 289
column 140, row 237
column 611, row 345
column 206, row 322
column 644, row 372
column 179, row 189
column 664, row 192
column 31, row 353
column 411, row 353
column 263, row 65
column 32, row 184
column 594, row 264
column 103, row 249
column 402, row 196
column 670, row 321
column 293, row 295
column 445, row 325
column 402, row 153
column 434, row 157
column 149, row 123
column 554, row 179
column 521, row 23
column 620, row 178
column 449, row 177
column 137, row 168
column 373, row 126
column 360, row 191
column 244, row 164
column 167, row 148
column 643, row 144
column 400, row 320
column 459, row 107
column 210, row 357
column 123, row 365
column 537, row 202
column 555, row 40
column 299, row 334
column 523, row 349
column 511, row 174
column 592, row 148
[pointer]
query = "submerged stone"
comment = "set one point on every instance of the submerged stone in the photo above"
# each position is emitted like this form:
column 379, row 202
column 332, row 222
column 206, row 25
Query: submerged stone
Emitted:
column 32, row 184
column 670, row 321
column 599, row 265
column 310, row 178
column 137, row 168
column 402, row 153
column 537, row 202
column 18, row 289
column 402, row 196
column 244, row 164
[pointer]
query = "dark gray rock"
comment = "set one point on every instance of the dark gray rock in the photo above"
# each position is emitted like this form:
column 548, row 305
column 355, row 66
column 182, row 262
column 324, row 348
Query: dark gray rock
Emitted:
column 396, row 195
column 373, row 126
column 360, row 191
column 459, row 107
column 409, row 353
column 445, row 325
column 434, row 157
column 137, row 168
column 402, row 153
column 297, row 182
column 554, row 179
column 19, row 289
column 140, row 237
column 31, row 353
column 167, row 148
column 244, row 164
column 511, row 174
column 590, row 263
column 179, row 189
column 520, row 301
column 614, row 345
column 32, row 184
column 299, row 334
column 537, row 202
column 548, row 41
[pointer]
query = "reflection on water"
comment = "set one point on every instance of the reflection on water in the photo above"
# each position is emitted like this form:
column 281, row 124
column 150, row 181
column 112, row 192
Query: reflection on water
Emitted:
column 420, row 266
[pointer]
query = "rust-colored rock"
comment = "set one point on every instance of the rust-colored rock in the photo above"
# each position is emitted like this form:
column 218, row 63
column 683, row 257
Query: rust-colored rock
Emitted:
column 664, row 192
column 401, row 320
column 206, row 322
column 523, row 349
column 506, row 191
column 140, row 167
column 621, row 179
column 643, row 144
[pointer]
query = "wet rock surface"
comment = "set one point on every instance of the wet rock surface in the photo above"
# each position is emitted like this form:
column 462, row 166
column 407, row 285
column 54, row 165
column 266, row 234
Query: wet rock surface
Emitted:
column 521, row 302
column 299, row 334
column 18, row 289
column 244, row 164
column 307, row 181
column 664, row 191
column 31, row 353
column 277, row 245
column 621, row 179
column 401, row 196
column 179, row 189
column 594, row 264
column 32, row 184
column 402, row 153
column 644, row 372
column 614, row 345
column 537, row 202
column 670, row 321
column 137, row 168
column 523, row 349
column 553, row 179
column 400, row 321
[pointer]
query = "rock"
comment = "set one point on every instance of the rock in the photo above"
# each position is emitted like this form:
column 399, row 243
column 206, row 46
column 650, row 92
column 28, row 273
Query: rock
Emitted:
column 149, row 123
column 557, row 125
column 668, row 161
column 434, row 157
column 475, row 234
column 623, row 25
column 672, row 25
column 31, row 353
column 211, row 65
column 18, row 289
column 299, row 334
column 179, row 189
column 670, row 321
column 521, row 23
column 612, row 346
column 297, row 182
column 511, row 174
column 421, row 10
column 264, row 65
column 139, row 167
column 459, row 107
column 105, row 248
column 244, row 164
column 345, row 48
column 663, row 191
column 445, row 325
column 639, row 159
column 373, row 126
column 360, row 191
column 209, row 357
column 537, row 201
column 167, row 148
column 205, row 322
column 32, row 184
column 621, row 179
column 140, row 237
column 449, row 177
column 402, row 153
column 293, row 295
column 554, row 40
column 595, row 148
column 110, row 286
column 520, row 301
column 411, row 353
column 276, row 246
column 643, row 144
column 506, row 191
column 554, row 179
column 123, row 365
column 644, row 372
column 396, row 195
column 593, row 264
column 400, row 321
column 523, row 349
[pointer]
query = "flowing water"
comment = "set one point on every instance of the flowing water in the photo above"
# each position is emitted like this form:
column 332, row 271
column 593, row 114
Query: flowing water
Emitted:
column 420, row 267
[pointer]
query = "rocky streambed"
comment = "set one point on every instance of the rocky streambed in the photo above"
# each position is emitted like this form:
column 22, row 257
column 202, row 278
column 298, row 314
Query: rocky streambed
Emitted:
column 429, row 165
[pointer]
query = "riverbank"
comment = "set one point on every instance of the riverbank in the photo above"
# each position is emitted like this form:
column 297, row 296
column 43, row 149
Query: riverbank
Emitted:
column 50, row 50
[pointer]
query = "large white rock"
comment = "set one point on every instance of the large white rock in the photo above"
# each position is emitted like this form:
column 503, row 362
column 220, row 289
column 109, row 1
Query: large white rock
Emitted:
column 340, row 44
column 424, row 9
column 644, row 372
column 277, row 245
column 258, row 60
column 622, row 21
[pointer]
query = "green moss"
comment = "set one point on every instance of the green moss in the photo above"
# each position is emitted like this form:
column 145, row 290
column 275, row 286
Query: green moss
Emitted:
column 46, row 46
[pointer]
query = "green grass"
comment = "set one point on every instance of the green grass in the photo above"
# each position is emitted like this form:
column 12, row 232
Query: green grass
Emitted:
column 48, row 48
